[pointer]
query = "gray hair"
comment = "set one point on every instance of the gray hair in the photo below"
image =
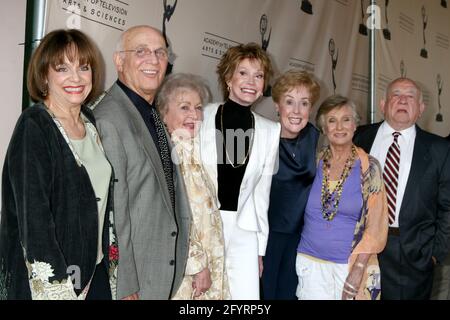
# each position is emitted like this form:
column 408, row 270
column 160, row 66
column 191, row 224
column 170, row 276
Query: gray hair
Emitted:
column 175, row 83
column 119, row 43
column 401, row 79
column 335, row 102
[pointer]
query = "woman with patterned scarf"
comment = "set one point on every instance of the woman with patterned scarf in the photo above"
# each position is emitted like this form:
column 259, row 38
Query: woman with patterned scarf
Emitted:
column 346, row 218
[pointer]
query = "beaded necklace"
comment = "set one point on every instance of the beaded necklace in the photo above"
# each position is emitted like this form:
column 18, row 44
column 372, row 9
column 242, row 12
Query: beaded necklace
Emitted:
column 330, row 200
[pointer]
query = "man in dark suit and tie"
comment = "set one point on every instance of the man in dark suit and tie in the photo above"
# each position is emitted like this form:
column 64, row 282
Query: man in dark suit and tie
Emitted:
column 417, row 178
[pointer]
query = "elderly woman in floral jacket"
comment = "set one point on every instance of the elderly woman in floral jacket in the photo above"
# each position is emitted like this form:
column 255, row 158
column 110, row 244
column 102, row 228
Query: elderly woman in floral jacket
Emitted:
column 180, row 102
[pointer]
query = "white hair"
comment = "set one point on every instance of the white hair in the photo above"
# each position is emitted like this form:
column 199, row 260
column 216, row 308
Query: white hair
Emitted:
column 419, row 89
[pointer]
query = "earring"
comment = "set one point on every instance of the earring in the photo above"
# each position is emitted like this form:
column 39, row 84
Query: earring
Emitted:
column 44, row 91
column 278, row 114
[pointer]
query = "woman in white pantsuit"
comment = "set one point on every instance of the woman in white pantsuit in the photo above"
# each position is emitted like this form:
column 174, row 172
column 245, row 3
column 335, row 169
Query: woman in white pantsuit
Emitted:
column 239, row 150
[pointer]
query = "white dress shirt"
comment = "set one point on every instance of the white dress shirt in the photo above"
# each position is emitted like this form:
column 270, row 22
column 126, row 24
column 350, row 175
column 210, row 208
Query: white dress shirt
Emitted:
column 380, row 147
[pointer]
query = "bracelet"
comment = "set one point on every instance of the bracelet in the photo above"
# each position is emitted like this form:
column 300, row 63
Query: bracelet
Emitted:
column 350, row 286
column 349, row 292
column 359, row 265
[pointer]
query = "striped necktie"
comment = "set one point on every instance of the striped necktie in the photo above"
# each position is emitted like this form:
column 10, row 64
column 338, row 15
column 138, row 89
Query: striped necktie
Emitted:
column 390, row 175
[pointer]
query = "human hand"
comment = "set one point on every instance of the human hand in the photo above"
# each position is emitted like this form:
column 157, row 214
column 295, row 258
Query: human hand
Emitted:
column 260, row 265
column 134, row 296
column 202, row 282
column 353, row 282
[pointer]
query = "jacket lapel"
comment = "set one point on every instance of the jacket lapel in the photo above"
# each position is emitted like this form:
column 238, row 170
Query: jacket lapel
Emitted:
column 255, row 157
column 146, row 141
column 208, row 148
column 420, row 159
column 367, row 137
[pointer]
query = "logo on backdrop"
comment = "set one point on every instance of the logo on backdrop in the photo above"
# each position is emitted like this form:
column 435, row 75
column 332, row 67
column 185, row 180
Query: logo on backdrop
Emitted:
column 444, row 3
column 113, row 14
column 263, row 23
column 334, row 60
column 362, row 25
column 439, row 117
column 307, row 7
column 168, row 12
column 424, row 52
column 402, row 69
column 386, row 32
column 74, row 20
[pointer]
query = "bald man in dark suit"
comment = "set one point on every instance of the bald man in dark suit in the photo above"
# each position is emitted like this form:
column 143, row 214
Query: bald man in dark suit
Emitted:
column 419, row 236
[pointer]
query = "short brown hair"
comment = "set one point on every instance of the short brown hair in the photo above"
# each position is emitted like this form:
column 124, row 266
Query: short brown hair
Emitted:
column 292, row 79
column 331, row 103
column 234, row 55
column 175, row 83
column 51, row 52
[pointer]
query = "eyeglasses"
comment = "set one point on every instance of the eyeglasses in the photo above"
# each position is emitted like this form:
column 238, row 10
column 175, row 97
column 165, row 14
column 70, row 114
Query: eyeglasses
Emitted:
column 160, row 54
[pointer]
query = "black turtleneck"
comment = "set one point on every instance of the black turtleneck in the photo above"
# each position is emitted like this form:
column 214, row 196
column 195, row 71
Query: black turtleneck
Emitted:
column 229, row 179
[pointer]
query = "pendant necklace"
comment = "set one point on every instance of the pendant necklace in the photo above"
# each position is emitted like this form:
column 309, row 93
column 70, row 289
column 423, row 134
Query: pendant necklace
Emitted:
column 288, row 146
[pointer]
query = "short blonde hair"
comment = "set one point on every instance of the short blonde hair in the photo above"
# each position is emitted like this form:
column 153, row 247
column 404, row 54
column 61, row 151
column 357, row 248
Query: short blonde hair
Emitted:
column 331, row 103
column 292, row 79
column 56, row 45
column 234, row 55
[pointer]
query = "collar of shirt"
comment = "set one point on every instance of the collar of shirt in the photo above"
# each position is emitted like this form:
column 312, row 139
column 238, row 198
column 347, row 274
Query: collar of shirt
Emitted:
column 404, row 140
column 145, row 110
column 140, row 103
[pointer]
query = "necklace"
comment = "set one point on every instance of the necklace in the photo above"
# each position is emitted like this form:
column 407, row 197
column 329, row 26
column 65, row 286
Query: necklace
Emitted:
column 288, row 146
column 330, row 200
column 225, row 146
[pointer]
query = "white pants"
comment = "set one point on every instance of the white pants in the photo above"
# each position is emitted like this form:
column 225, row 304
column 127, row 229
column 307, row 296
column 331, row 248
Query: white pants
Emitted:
column 241, row 258
column 320, row 280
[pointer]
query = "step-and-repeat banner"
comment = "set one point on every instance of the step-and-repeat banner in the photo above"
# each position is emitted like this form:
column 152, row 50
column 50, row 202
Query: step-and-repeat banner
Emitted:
column 325, row 37
column 414, row 42
column 328, row 38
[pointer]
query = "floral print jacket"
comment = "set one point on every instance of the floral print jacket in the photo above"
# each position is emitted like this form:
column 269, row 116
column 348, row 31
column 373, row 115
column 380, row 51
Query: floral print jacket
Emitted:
column 49, row 215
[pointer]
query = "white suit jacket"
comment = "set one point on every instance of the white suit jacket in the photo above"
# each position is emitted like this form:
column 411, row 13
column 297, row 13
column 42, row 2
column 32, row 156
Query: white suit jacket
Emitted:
column 253, row 201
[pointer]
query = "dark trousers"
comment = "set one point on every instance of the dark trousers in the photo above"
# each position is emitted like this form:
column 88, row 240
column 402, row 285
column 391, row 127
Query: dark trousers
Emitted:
column 279, row 279
column 399, row 279
column 100, row 289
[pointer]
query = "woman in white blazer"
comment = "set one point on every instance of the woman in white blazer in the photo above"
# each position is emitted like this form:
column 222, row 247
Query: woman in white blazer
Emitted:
column 239, row 150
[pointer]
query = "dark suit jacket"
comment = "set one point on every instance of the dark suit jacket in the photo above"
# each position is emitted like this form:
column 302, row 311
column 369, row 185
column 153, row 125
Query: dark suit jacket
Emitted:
column 424, row 219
